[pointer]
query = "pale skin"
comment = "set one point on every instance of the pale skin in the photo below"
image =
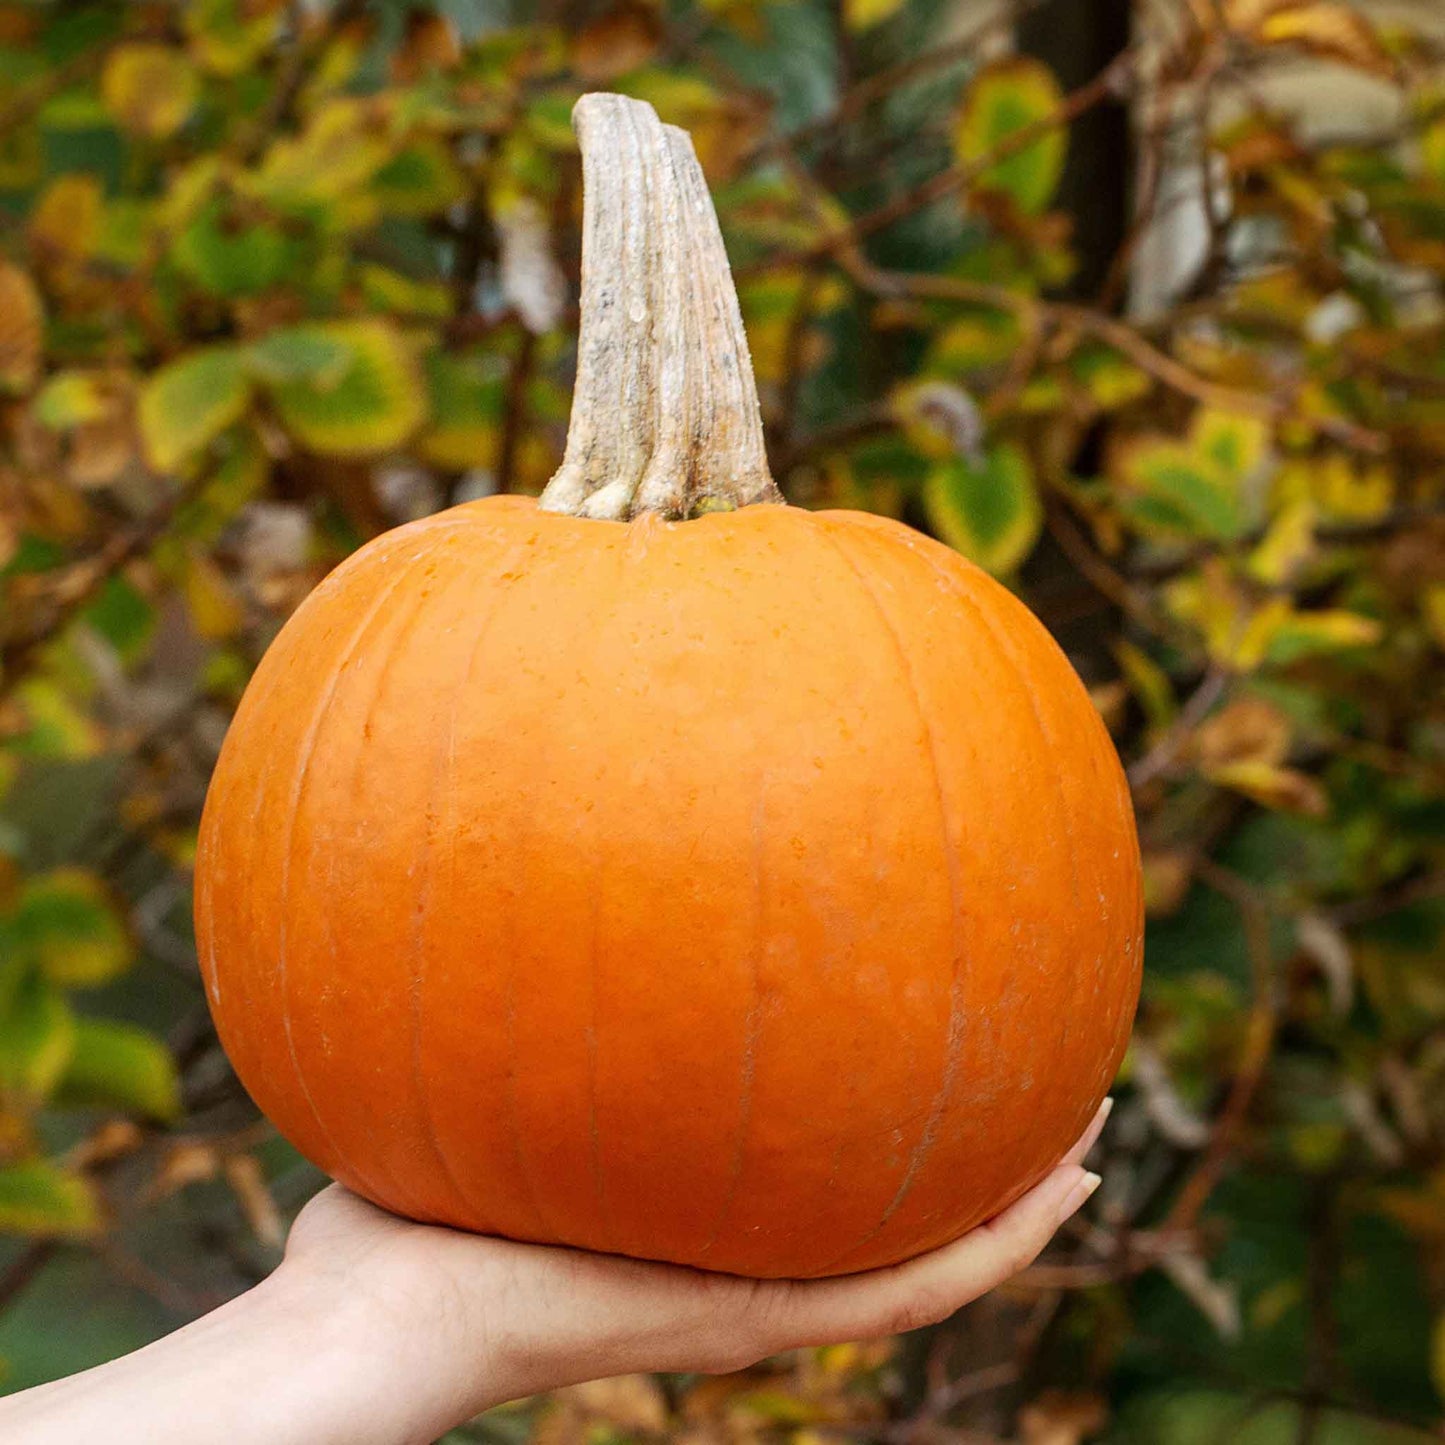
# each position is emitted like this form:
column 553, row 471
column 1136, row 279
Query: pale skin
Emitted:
column 377, row 1331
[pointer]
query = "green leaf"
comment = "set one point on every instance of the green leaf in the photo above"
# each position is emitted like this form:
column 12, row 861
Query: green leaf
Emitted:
column 37, row 1038
column 1005, row 98
column 239, row 476
column 976, row 342
column 229, row 36
column 1176, row 491
column 189, row 403
column 388, row 290
column 70, row 399
column 467, row 403
column 65, row 924
column 1306, row 634
column 988, row 509
column 121, row 1066
column 123, row 615
column 420, row 180
column 1232, row 443
column 373, row 405
column 231, row 259
column 313, row 354
column 56, row 728
column 1110, row 379
column 40, row 1198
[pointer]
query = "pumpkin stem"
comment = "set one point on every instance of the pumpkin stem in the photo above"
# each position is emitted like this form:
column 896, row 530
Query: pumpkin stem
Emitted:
column 665, row 414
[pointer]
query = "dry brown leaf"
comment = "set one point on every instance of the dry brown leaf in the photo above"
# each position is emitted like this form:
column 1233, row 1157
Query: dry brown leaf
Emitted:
column 620, row 40
column 430, row 44
column 189, row 1162
column 1284, row 789
column 629, row 1402
column 1167, row 875
column 1329, row 30
column 1248, row 730
column 22, row 329
column 1061, row 1418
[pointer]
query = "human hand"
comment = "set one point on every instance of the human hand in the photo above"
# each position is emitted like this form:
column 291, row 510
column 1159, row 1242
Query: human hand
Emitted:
column 466, row 1321
column 377, row 1331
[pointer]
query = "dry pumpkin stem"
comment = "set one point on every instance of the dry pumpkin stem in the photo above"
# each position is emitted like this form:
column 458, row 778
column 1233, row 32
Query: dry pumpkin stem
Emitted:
column 665, row 415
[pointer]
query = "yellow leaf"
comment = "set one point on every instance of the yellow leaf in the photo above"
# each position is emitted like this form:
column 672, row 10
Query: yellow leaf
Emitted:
column 1304, row 634
column 150, row 89
column 864, row 14
column 1285, row 546
column 371, row 400
column 190, row 402
column 55, row 727
column 1432, row 608
column 1148, row 682
column 41, row 1199
column 215, row 611
column 66, row 219
column 1232, row 442
column 65, row 923
column 1007, row 97
column 230, row 36
column 71, row 399
column 1348, row 491
column 1283, row 789
column 336, row 155
column 22, row 330
column 1334, row 31
column 988, row 508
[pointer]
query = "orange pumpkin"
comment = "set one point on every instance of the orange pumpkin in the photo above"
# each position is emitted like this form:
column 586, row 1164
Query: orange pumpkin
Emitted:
column 728, row 884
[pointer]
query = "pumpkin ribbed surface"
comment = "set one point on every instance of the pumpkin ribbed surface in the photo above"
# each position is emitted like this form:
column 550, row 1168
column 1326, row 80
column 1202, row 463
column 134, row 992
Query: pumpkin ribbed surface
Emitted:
column 758, row 892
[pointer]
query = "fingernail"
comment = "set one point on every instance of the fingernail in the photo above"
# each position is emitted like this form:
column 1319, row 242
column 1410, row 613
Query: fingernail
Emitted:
column 1106, row 1108
column 1074, row 1200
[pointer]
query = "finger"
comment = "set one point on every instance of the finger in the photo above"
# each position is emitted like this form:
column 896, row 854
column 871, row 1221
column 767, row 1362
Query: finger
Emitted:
column 930, row 1288
column 1090, row 1136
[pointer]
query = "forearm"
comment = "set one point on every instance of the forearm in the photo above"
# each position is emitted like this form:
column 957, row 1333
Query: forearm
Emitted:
column 283, row 1364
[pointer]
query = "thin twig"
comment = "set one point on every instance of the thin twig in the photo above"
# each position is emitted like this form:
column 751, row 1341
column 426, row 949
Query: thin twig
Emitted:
column 1103, row 86
column 857, row 98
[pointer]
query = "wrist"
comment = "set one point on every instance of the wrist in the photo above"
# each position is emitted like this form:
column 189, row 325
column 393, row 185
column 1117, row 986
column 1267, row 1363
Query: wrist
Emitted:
column 401, row 1354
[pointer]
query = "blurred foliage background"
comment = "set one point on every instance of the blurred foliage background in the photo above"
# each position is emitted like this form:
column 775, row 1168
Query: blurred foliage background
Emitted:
column 1139, row 306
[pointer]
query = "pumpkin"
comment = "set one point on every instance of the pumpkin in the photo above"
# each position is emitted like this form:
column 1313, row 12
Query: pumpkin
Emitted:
column 660, row 869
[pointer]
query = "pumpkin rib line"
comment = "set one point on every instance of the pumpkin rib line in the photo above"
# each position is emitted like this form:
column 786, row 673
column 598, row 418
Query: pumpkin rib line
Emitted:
column 509, row 1010
column 599, row 873
column 308, row 753
column 752, row 1030
column 929, row 1134
column 443, row 779
column 1010, row 655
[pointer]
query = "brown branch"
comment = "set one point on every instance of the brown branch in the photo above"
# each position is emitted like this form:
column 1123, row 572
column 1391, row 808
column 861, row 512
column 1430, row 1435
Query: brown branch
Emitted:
column 24, row 1269
column 1102, row 87
column 857, row 98
column 89, row 575
column 1160, row 758
column 1123, row 338
column 293, row 72
column 1260, row 1027
column 514, row 420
